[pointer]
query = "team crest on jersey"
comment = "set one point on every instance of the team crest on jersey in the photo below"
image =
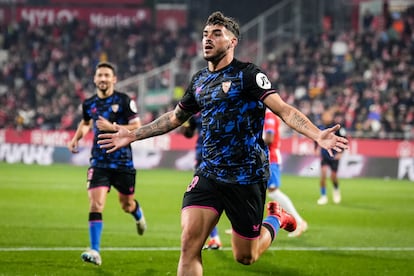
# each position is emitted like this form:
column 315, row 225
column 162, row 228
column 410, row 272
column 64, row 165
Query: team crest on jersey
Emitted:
column 115, row 107
column 226, row 86
column 262, row 81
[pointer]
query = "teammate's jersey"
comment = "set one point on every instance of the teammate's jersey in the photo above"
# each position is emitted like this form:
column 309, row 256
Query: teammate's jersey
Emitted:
column 272, row 124
column 120, row 109
column 232, row 117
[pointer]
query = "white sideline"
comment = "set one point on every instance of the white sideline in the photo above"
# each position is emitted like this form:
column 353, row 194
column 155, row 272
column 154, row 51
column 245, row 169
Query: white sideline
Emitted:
column 22, row 249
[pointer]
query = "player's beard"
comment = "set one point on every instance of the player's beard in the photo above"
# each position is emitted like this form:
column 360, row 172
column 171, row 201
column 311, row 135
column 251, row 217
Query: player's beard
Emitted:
column 217, row 56
column 103, row 87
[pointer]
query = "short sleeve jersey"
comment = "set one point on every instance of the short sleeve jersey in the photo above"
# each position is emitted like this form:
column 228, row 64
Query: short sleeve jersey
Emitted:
column 230, row 102
column 272, row 124
column 120, row 109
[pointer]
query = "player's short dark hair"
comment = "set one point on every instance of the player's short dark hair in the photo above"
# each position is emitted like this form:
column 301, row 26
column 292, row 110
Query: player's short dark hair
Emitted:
column 107, row 64
column 218, row 18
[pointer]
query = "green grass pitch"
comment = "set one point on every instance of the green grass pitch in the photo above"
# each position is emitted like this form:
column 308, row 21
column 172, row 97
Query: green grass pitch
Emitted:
column 44, row 211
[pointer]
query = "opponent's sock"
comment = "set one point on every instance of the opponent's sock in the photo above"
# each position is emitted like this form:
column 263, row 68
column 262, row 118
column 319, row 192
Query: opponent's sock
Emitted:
column 285, row 203
column 214, row 234
column 137, row 211
column 95, row 230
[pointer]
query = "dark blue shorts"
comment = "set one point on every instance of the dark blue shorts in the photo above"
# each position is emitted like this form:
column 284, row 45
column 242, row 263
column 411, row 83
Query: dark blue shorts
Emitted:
column 122, row 181
column 332, row 163
column 243, row 204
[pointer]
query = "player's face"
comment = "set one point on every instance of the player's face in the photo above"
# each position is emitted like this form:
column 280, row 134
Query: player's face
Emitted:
column 217, row 42
column 104, row 80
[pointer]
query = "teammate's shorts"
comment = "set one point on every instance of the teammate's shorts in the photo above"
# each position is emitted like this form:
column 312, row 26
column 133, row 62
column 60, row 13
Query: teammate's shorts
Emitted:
column 123, row 181
column 243, row 204
column 332, row 163
column 274, row 179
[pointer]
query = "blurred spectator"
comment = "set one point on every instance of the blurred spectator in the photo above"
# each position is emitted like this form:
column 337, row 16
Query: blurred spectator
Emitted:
column 367, row 20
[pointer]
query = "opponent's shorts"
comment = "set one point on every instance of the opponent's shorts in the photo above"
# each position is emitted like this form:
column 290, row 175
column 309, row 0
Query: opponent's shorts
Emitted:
column 123, row 181
column 243, row 204
column 332, row 163
column 274, row 179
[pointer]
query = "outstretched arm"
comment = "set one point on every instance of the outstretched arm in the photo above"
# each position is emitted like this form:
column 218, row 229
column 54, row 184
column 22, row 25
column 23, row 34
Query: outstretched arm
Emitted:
column 299, row 122
column 165, row 123
column 162, row 125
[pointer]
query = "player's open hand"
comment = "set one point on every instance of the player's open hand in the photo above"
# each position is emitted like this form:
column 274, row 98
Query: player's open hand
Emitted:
column 117, row 140
column 329, row 141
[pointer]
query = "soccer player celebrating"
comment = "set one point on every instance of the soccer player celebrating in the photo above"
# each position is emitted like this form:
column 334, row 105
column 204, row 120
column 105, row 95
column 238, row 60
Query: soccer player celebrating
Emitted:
column 231, row 97
column 102, row 112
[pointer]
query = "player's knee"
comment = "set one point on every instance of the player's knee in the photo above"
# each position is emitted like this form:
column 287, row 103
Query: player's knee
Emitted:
column 190, row 248
column 96, row 206
column 245, row 259
column 127, row 206
column 188, row 240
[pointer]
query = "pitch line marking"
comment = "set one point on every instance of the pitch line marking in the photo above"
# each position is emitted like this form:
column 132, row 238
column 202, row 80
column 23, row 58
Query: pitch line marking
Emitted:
column 28, row 249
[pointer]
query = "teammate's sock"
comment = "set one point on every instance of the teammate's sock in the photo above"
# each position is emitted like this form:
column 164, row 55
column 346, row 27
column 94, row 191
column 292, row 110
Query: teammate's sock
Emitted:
column 95, row 230
column 336, row 185
column 323, row 191
column 137, row 211
column 285, row 203
column 272, row 224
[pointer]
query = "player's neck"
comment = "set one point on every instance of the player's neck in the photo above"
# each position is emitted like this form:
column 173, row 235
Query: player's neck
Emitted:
column 221, row 63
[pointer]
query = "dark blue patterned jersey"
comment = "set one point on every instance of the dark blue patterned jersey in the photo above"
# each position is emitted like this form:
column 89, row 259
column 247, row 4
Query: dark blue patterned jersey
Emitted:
column 230, row 102
column 117, row 108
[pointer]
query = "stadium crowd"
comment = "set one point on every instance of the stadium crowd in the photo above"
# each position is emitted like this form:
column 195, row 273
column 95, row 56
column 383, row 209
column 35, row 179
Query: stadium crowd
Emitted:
column 46, row 70
column 365, row 78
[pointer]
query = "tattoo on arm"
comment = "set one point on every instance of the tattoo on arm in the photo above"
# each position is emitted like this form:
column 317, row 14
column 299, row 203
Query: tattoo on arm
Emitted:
column 159, row 126
column 299, row 122
column 163, row 124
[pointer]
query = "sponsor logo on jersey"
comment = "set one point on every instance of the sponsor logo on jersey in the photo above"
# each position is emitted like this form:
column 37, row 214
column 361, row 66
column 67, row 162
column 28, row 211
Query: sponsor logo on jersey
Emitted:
column 262, row 81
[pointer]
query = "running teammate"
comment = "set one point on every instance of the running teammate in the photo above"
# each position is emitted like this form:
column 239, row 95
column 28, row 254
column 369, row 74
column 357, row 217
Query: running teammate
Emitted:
column 102, row 113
